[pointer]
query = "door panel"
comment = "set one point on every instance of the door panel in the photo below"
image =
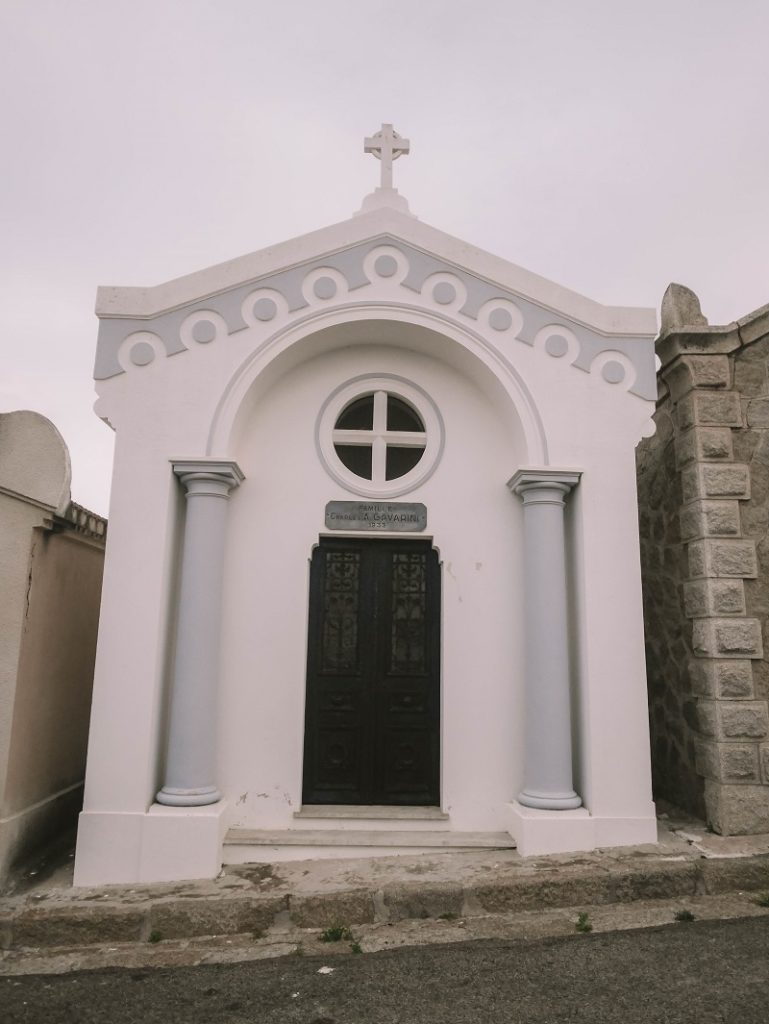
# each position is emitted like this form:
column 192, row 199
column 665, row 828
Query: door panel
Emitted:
column 372, row 719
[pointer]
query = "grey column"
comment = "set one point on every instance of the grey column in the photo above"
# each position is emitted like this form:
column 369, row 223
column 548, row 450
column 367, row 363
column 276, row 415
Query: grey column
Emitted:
column 190, row 760
column 547, row 771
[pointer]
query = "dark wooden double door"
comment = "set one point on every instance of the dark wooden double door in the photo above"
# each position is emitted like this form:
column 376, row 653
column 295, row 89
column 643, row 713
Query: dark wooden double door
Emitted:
column 373, row 674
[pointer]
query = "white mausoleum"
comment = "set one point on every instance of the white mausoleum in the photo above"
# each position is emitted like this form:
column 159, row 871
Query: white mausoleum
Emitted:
column 372, row 582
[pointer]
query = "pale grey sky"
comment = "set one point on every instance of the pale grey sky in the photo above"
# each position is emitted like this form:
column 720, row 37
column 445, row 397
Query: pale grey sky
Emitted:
column 610, row 145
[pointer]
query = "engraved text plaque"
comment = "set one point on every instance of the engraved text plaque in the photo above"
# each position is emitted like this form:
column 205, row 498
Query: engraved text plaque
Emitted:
column 372, row 516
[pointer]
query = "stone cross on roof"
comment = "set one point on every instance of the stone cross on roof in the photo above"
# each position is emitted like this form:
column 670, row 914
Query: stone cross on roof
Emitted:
column 386, row 145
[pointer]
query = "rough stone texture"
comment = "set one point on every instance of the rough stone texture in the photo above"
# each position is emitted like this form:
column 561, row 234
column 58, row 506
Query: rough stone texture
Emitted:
column 724, row 875
column 704, row 443
column 719, row 558
column 758, row 413
column 714, row 480
column 647, row 882
column 734, row 680
column 729, row 638
column 714, row 597
column 706, row 759
column 178, row 918
column 750, row 378
column 668, row 632
column 731, row 481
column 6, row 931
column 680, row 309
column 698, row 371
column 703, row 485
column 739, row 763
column 322, row 910
column 621, row 882
column 417, row 901
column 711, row 518
column 735, row 810
column 77, row 926
column 745, row 719
column 728, row 762
column 710, row 409
column 701, row 716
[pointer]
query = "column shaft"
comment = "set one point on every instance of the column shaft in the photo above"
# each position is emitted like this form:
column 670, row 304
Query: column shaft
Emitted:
column 548, row 763
column 191, row 754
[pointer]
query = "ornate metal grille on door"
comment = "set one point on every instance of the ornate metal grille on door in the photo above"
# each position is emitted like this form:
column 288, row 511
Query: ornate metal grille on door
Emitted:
column 371, row 728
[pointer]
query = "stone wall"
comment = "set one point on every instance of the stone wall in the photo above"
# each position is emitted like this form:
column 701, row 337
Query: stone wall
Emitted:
column 668, row 635
column 703, row 492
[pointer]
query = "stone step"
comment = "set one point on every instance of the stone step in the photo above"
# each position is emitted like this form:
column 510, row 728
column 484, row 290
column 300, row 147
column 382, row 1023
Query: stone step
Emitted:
column 370, row 812
column 369, row 838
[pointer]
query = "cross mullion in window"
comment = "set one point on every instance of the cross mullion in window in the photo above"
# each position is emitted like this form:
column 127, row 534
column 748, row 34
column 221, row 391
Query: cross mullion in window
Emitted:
column 352, row 437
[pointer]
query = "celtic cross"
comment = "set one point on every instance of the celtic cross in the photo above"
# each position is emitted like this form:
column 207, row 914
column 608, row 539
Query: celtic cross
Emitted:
column 386, row 145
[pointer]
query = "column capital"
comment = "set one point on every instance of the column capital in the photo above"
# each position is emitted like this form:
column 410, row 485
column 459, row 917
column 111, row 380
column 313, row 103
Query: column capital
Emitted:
column 527, row 480
column 219, row 471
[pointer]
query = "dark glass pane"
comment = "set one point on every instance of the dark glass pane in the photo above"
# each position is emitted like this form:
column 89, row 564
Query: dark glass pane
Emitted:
column 357, row 458
column 409, row 634
column 358, row 415
column 340, row 612
column 401, row 416
column 400, row 461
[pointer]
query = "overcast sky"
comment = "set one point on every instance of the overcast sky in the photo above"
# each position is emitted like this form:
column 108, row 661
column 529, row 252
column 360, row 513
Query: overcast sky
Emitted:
column 610, row 145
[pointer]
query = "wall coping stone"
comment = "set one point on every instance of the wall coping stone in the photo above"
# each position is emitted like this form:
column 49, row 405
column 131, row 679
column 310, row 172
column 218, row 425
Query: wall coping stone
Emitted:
column 672, row 345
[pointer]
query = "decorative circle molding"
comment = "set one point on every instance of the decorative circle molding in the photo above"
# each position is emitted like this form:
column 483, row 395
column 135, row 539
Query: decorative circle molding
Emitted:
column 379, row 271
column 380, row 436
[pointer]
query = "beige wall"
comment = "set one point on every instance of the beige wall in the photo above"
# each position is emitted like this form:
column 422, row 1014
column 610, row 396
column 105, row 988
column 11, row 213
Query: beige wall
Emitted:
column 55, row 673
column 51, row 555
column 18, row 519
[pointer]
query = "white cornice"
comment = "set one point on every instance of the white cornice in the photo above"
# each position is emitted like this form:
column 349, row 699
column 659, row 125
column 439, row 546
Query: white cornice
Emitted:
column 149, row 302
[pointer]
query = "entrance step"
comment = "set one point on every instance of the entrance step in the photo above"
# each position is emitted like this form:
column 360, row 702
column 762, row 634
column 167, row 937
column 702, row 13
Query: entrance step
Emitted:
column 370, row 838
column 370, row 812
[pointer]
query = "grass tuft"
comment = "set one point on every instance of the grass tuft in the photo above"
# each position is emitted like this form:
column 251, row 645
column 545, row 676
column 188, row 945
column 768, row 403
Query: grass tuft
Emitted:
column 583, row 924
column 684, row 915
column 336, row 933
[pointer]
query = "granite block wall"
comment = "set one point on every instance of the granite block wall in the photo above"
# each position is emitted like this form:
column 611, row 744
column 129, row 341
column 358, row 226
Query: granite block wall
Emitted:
column 703, row 483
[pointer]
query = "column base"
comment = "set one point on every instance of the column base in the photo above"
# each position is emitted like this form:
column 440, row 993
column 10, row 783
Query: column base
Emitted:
column 188, row 797
column 167, row 844
column 568, row 801
column 537, row 831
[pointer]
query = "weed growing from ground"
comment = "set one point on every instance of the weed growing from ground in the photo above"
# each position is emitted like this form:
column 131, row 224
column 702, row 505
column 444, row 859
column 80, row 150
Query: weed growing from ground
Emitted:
column 684, row 915
column 336, row 933
column 154, row 936
column 583, row 924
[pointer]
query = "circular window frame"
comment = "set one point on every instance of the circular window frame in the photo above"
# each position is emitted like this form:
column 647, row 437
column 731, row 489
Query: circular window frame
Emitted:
column 408, row 392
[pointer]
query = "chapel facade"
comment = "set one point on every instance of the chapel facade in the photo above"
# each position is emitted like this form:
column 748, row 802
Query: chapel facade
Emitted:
column 384, row 591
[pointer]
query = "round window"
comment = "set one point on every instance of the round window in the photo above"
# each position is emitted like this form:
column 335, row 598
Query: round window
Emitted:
column 380, row 436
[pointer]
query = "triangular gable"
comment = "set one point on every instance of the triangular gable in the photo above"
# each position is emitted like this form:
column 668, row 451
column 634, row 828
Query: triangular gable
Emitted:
column 597, row 328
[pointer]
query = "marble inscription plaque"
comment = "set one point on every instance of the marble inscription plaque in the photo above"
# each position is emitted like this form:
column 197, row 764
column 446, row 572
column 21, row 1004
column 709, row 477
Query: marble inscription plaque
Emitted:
column 370, row 516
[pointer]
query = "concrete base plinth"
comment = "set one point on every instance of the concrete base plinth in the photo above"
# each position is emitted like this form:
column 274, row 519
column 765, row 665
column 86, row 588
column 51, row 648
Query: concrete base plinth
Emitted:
column 538, row 832
column 164, row 845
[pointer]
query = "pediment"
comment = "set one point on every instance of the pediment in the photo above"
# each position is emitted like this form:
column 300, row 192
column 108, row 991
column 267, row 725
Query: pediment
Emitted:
column 374, row 256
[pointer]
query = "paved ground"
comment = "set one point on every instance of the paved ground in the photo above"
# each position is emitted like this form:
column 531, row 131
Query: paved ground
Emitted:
column 685, row 973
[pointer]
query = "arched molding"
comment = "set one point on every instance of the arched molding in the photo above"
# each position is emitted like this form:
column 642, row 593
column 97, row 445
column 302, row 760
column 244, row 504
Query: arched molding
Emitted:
column 302, row 340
